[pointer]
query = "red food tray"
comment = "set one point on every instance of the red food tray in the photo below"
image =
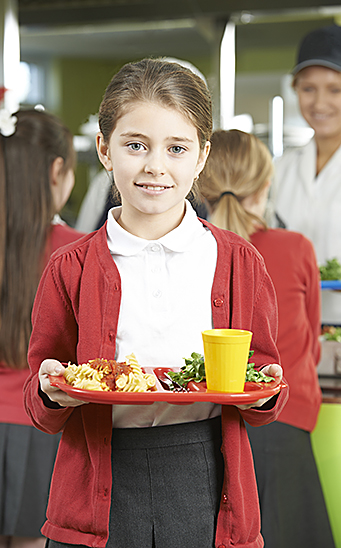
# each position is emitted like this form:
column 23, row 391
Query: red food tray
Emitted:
column 197, row 392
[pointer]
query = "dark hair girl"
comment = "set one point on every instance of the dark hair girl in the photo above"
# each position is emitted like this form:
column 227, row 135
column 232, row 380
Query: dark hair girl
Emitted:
column 37, row 160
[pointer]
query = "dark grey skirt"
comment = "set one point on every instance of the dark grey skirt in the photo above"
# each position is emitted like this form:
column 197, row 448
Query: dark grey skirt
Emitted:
column 167, row 486
column 293, row 510
column 26, row 462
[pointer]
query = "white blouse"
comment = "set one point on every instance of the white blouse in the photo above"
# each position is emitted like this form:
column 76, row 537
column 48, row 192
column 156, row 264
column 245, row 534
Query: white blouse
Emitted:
column 166, row 304
column 311, row 205
column 308, row 203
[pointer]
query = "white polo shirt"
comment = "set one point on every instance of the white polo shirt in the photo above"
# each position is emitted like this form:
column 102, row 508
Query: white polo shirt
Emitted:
column 166, row 304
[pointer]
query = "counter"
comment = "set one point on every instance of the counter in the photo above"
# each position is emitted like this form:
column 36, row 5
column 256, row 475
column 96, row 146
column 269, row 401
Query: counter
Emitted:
column 326, row 443
column 326, row 437
column 331, row 389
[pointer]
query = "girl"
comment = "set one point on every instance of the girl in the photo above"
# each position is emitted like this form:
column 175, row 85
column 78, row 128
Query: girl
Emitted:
column 236, row 182
column 149, row 281
column 36, row 171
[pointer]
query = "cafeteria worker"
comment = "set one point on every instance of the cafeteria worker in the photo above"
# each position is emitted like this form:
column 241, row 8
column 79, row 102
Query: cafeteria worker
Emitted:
column 307, row 186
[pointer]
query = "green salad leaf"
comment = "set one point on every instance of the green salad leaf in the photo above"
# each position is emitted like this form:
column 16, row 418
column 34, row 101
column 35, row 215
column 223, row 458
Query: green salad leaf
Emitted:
column 252, row 375
column 194, row 370
column 334, row 334
column 331, row 270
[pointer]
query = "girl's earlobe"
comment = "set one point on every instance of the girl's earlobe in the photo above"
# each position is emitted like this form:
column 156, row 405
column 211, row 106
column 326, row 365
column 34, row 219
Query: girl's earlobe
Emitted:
column 103, row 152
column 56, row 170
column 203, row 157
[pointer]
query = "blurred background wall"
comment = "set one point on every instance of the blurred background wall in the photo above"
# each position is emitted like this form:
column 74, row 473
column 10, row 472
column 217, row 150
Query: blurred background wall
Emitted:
column 69, row 51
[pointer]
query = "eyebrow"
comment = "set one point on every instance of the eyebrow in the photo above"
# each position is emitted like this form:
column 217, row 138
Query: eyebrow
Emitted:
column 136, row 135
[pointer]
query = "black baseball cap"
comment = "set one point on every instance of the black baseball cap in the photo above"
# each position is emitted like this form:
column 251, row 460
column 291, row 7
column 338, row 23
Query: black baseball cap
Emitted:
column 320, row 47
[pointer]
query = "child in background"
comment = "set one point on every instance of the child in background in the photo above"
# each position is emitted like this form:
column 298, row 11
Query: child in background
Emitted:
column 236, row 182
column 149, row 281
column 37, row 160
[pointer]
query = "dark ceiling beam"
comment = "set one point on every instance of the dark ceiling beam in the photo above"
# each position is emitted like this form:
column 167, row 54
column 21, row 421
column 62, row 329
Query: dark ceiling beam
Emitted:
column 58, row 12
column 43, row 12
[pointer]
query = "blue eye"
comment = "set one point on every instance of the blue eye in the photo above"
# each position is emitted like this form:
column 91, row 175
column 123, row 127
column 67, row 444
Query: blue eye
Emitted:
column 135, row 146
column 177, row 149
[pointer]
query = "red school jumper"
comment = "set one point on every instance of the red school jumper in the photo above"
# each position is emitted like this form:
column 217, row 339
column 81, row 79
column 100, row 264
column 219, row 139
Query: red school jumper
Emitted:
column 291, row 262
column 75, row 318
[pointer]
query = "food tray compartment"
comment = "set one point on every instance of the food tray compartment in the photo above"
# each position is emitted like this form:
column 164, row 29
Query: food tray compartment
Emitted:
column 197, row 392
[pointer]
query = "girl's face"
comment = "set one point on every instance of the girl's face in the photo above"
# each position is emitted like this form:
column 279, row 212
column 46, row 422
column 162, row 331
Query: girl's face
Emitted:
column 319, row 95
column 154, row 154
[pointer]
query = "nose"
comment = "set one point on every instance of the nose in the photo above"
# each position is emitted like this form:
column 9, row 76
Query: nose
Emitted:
column 320, row 99
column 155, row 164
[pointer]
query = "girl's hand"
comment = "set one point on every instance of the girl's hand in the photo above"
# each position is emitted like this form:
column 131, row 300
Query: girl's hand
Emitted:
column 55, row 368
column 272, row 370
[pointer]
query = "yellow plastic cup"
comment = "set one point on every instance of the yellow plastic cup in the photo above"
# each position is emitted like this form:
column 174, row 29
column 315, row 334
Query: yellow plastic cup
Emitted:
column 226, row 353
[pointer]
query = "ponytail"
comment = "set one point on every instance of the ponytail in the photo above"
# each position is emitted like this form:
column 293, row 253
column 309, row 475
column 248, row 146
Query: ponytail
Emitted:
column 238, row 166
column 231, row 215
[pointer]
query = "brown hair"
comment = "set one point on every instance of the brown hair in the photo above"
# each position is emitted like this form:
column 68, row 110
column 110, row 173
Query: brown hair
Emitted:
column 26, row 211
column 156, row 80
column 241, row 164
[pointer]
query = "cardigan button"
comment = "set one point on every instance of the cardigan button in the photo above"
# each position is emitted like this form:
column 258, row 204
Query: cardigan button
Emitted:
column 111, row 336
column 218, row 302
column 221, row 546
column 224, row 498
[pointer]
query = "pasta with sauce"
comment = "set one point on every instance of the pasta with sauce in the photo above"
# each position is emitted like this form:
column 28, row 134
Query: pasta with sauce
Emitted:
column 109, row 375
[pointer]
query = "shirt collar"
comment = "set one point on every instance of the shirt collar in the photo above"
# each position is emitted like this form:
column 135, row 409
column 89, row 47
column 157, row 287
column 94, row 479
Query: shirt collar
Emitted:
column 57, row 220
column 121, row 242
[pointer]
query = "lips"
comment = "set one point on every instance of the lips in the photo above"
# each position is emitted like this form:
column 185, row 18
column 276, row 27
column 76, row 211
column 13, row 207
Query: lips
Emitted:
column 152, row 187
column 321, row 116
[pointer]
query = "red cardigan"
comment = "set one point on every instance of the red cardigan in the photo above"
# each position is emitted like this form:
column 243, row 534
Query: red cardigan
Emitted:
column 12, row 380
column 75, row 318
column 292, row 264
